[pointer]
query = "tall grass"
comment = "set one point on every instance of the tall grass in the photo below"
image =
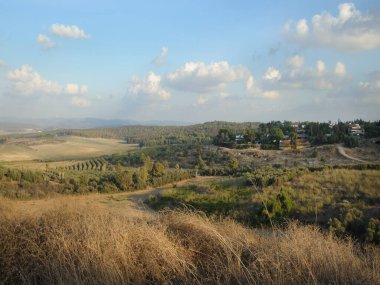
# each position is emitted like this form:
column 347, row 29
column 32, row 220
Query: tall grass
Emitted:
column 74, row 244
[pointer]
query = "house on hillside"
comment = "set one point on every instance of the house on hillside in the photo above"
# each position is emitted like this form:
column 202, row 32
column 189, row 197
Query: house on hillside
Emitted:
column 239, row 138
column 355, row 129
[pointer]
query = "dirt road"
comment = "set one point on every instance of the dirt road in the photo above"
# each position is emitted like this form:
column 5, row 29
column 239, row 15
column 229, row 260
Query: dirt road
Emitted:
column 125, row 203
column 343, row 153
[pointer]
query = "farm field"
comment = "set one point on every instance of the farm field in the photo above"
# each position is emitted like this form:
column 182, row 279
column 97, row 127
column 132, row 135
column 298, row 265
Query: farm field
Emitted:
column 62, row 148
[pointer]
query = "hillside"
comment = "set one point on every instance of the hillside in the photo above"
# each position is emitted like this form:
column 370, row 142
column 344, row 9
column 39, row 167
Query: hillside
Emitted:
column 73, row 242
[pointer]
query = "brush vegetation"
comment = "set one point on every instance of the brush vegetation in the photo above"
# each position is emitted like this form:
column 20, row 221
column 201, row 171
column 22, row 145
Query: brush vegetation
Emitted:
column 68, row 243
column 344, row 201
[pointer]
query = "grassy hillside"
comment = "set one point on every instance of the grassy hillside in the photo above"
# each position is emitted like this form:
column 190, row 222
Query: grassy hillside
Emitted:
column 75, row 244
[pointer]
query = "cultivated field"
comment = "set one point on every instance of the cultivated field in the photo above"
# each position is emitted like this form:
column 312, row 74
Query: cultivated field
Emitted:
column 62, row 148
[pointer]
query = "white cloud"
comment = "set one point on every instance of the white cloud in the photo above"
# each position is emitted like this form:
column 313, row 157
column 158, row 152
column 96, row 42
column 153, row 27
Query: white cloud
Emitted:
column 272, row 94
column 321, row 67
column 348, row 31
column 302, row 27
column 79, row 102
column 272, row 74
column 160, row 59
column 201, row 100
column 250, row 83
column 257, row 91
column 73, row 31
column 316, row 78
column 149, row 86
column 201, row 77
column 44, row 41
column 74, row 89
column 340, row 69
column 27, row 82
column 296, row 61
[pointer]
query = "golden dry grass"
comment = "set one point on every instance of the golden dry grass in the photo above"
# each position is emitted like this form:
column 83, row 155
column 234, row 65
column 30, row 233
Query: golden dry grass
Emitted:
column 70, row 243
column 69, row 147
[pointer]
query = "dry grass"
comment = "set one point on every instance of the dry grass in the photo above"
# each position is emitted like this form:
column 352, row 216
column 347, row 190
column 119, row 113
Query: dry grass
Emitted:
column 73, row 243
column 69, row 147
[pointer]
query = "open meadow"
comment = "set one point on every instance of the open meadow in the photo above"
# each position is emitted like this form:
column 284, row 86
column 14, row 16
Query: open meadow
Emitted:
column 30, row 152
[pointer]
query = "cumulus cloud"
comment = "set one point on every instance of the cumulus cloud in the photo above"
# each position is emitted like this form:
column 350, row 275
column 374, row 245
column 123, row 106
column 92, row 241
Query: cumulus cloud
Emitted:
column 250, row 83
column 73, row 32
column 44, row 41
column 347, row 31
column 148, row 86
column 272, row 74
column 200, row 77
column 74, row 89
column 25, row 81
column 321, row 67
column 296, row 61
column 160, row 59
column 340, row 69
column 201, row 100
column 79, row 102
column 257, row 91
column 317, row 78
column 28, row 82
column 302, row 27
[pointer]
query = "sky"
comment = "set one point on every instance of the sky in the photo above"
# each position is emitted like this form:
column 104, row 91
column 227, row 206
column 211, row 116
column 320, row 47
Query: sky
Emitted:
column 190, row 60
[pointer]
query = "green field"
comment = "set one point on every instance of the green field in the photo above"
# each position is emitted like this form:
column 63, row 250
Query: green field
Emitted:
column 62, row 148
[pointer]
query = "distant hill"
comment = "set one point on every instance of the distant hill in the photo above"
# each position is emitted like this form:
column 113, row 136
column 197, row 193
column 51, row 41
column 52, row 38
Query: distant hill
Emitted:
column 18, row 125
column 144, row 133
column 156, row 135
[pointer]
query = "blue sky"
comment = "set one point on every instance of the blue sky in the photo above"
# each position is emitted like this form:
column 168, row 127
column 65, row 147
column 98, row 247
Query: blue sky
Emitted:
column 190, row 60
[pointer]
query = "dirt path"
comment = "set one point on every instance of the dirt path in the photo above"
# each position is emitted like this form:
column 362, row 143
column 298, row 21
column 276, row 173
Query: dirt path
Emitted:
column 343, row 153
column 126, row 203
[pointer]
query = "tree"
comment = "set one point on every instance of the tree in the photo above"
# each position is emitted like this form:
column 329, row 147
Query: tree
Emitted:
column 249, row 136
column 276, row 135
column 140, row 178
column 234, row 165
column 158, row 170
column 225, row 137
column 84, row 179
column 124, row 179
column 279, row 207
column 201, row 163
column 293, row 140
column 147, row 161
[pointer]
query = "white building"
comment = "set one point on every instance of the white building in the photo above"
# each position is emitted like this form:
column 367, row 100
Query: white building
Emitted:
column 355, row 129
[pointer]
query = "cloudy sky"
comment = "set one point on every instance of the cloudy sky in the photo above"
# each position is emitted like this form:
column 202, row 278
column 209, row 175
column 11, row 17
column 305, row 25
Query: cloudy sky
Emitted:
column 190, row 60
